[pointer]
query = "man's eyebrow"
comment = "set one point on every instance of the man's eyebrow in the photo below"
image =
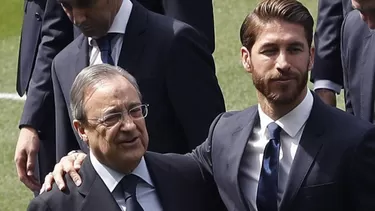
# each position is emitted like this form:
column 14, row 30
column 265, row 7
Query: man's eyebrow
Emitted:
column 268, row 45
column 297, row 44
column 133, row 104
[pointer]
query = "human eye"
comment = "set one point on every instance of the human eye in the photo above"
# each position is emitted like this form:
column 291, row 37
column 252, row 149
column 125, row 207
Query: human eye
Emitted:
column 136, row 112
column 294, row 50
column 269, row 51
column 111, row 119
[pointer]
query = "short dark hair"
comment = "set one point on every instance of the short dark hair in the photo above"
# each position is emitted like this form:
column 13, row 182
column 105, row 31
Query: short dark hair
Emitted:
column 266, row 11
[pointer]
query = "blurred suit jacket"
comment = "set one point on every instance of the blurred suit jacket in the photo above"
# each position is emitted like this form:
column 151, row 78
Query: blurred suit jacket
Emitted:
column 327, row 61
column 357, row 52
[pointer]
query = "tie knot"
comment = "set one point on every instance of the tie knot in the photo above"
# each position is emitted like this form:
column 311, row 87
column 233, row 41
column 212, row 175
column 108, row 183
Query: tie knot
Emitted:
column 104, row 43
column 274, row 131
column 129, row 183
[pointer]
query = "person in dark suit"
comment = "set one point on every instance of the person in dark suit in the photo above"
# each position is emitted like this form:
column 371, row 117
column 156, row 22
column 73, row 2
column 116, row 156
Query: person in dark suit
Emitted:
column 119, row 173
column 326, row 73
column 291, row 152
column 46, row 30
column 357, row 48
column 174, row 69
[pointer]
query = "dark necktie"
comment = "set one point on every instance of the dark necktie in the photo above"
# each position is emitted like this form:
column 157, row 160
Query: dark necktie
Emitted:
column 104, row 44
column 129, row 184
column 267, row 186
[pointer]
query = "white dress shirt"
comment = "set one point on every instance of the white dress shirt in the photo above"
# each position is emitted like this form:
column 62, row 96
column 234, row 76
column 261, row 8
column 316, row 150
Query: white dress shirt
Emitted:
column 327, row 84
column 118, row 26
column 292, row 124
column 145, row 190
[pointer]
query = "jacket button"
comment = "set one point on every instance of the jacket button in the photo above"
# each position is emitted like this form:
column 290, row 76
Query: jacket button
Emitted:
column 37, row 16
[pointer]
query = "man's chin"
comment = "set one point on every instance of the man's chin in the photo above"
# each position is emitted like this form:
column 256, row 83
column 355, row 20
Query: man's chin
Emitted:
column 91, row 34
column 282, row 98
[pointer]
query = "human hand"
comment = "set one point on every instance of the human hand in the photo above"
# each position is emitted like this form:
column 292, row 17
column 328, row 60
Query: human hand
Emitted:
column 68, row 164
column 25, row 157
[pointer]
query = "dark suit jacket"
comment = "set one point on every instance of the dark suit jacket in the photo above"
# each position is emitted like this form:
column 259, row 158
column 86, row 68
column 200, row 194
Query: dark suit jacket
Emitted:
column 327, row 61
column 357, row 50
column 46, row 30
column 198, row 13
column 180, row 183
column 175, row 73
column 333, row 168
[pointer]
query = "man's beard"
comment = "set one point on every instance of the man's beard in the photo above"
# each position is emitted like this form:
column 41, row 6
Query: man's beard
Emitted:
column 286, row 94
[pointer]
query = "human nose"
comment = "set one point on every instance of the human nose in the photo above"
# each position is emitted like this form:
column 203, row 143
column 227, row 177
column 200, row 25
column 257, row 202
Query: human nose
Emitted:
column 127, row 122
column 282, row 62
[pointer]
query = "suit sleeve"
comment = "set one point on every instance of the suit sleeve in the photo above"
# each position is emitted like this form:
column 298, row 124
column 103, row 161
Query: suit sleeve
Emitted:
column 57, row 33
column 192, row 85
column 327, row 61
column 38, row 204
column 362, row 174
column 215, row 202
column 202, row 153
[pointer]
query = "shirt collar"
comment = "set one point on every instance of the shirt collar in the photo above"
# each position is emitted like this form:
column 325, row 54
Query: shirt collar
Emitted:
column 120, row 21
column 293, row 121
column 111, row 178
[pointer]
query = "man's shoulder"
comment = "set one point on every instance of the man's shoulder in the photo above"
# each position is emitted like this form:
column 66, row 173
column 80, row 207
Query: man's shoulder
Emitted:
column 237, row 119
column 56, row 199
column 65, row 55
column 183, row 165
column 354, row 27
column 167, row 24
column 168, row 29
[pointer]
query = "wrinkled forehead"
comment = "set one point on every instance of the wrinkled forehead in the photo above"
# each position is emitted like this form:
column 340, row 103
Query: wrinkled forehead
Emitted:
column 116, row 87
column 111, row 94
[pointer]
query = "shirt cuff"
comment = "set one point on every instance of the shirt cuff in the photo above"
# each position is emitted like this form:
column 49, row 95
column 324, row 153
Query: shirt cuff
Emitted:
column 327, row 84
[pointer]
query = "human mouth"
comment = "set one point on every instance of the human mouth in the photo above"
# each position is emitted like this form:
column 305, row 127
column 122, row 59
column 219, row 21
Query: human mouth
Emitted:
column 284, row 79
column 129, row 141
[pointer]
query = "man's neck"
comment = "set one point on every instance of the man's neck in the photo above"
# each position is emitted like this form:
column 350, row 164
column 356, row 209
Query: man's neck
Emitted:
column 277, row 110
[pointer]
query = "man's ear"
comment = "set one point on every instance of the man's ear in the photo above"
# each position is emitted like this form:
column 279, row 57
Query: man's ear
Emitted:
column 246, row 59
column 312, row 56
column 78, row 126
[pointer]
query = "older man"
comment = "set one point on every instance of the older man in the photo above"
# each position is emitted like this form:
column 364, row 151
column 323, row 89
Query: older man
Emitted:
column 119, row 173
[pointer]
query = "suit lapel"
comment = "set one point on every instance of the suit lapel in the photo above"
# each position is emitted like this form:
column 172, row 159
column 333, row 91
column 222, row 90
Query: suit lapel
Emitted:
column 308, row 148
column 239, row 140
column 96, row 194
column 133, row 40
column 82, row 55
column 165, row 182
column 367, row 85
